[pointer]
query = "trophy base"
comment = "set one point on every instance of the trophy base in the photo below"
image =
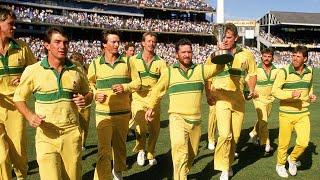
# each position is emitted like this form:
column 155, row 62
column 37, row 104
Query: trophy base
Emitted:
column 221, row 57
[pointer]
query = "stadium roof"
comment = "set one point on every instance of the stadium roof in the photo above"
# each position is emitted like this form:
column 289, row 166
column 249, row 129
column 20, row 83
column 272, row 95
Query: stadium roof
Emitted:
column 290, row 18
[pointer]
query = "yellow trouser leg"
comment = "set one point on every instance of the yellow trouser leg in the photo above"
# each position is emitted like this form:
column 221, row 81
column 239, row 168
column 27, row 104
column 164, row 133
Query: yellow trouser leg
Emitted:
column 261, row 127
column 212, row 124
column 112, row 135
column 229, row 124
column 142, row 128
column 285, row 131
column 59, row 153
column 84, row 119
column 302, row 128
column 185, row 139
column 104, row 156
column 16, row 131
column 5, row 166
column 119, row 138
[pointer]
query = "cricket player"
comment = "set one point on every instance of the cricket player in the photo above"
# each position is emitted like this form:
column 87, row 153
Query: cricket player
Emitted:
column 151, row 67
column 112, row 78
column 59, row 88
column 293, row 87
column 184, row 80
column 266, row 73
column 230, row 101
column 15, row 56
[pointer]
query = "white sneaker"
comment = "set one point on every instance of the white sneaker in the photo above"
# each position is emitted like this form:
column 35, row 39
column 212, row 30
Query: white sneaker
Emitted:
column 117, row 175
column 253, row 138
column 224, row 175
column 211, row 146
column 236, row 155
column 268, row 148
column 141, row 158
column 292, row 167
column 153, row 162
column 281, row 170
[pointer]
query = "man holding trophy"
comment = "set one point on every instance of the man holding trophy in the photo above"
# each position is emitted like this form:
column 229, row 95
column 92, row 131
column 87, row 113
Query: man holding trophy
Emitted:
column 230, row 101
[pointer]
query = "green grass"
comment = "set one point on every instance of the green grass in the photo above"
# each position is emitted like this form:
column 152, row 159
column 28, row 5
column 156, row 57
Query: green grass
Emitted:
column 252, row 164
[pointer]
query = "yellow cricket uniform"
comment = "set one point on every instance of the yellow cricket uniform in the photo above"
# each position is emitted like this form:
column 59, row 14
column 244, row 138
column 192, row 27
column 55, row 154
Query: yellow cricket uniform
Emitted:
column 263, row 104
column 112, row 116
column 230, row 105
column 58, row 138
column 149, row 77
column 13, row 141
column 294, row 113
column 184, row 116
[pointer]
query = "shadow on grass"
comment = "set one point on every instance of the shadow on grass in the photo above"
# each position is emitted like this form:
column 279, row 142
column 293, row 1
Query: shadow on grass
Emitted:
column 164, row 123
column 306, row 157
column 164, row 163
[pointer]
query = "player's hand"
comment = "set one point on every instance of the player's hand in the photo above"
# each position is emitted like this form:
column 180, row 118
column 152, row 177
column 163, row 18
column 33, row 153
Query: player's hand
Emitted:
column 35, row 120
column 117, row 88
column 222, row 46
column 296, row 94
column 211, row 100
column 100, row 97
column 15, row 81
column 149, row 115
column 253, row 94
column 79, row 100
column 313, row 98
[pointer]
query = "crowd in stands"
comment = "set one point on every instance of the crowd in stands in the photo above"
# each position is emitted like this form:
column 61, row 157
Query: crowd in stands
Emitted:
column 198, row 5
column 271, row 38
column 30, row 14
column 91, row 49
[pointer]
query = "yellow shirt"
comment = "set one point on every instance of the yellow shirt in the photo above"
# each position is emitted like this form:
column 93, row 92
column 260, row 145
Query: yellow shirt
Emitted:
column 184, row 88
column 12, row 64
column 288, row 80
column 264, row 84
column 53, row 91
column 102, row 75
column 149, row 75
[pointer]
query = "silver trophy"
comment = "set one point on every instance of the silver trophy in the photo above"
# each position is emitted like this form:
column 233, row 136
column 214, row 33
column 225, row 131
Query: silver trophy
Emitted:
column 220, row 56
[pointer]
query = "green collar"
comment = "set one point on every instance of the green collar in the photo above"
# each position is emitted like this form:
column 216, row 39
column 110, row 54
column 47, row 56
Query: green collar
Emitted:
column 155, row 57
column 305, row 69
column 67, row 64
column 118, row 60
column 13, row 44
column 272, row 67
column 238, row 49
column 177, row 65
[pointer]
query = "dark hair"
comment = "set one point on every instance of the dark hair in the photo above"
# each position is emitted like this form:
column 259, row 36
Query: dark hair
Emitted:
column 182, row 42
column 76, row 56
column 231, row 27
column 130, row 44
column 301, row 49
column 5, row 13
column 52, row 30
column 106, row 33
column 267, row 51
column 149, row 34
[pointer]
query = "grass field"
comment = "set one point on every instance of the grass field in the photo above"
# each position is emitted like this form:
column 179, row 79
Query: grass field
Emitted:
column 251, row 164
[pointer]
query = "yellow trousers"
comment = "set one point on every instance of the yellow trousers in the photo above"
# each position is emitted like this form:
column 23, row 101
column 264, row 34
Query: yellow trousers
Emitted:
column 58, row 152
column 230, row 109
column 184, row 139
column 84, row 119
column 112, row 136
column 143, row 127
column 287, row 123
column 13, row 141
column 212, row 124
column 261, row 127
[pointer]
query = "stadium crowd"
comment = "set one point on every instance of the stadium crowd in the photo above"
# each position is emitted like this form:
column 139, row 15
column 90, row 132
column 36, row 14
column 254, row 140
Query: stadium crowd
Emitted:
column 91, row 49
column 198, row 5
column 30, row 14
